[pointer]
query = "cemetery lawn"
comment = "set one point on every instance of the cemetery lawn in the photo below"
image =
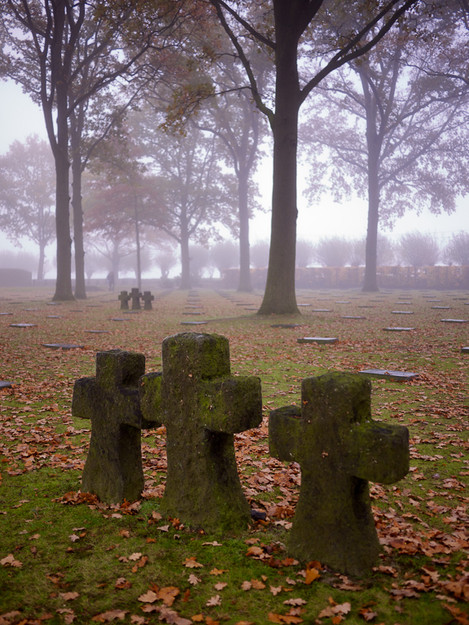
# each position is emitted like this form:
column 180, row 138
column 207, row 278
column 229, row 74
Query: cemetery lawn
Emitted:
column 67, row 558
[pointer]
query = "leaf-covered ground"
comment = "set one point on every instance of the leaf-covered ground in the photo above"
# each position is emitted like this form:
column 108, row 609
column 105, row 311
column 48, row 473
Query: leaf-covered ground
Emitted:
column 66, row 558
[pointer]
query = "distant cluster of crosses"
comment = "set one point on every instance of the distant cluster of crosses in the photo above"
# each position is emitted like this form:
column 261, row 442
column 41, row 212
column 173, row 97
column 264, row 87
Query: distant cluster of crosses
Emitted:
column 333, row 438
column 135, row 296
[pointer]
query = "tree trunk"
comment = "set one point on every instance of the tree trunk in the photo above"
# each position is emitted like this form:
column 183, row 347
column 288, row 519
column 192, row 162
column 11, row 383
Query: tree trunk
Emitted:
column 370, row 281
column 80, row 287
column 185, row 259
column 244, row 255
column 137, row 245
column 40, row 264
column 279, row 296
column 63, row 286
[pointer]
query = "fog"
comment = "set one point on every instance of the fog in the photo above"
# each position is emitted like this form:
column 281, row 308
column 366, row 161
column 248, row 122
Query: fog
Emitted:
column 20, row 118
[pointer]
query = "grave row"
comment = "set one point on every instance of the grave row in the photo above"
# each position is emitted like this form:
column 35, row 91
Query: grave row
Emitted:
column 332, row 436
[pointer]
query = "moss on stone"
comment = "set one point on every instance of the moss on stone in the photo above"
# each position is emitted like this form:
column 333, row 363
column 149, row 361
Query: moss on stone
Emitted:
column 339, row 448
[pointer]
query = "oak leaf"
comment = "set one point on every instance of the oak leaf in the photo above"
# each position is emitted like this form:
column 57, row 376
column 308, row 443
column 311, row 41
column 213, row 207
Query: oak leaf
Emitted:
column 69, row 596
column 216, row 600
column 9, row 560
column 148, row 597
column 191, row 563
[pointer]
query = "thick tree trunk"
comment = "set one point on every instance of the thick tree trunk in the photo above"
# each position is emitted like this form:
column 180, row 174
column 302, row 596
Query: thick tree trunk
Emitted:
column 40, row 264
column 244, row 253
column 370, row 281
column 279, row 296
column 63, row 286
column 80, row 287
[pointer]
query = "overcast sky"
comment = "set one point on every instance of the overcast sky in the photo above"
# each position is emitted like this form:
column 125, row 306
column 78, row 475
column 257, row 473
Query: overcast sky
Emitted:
column 20, row 117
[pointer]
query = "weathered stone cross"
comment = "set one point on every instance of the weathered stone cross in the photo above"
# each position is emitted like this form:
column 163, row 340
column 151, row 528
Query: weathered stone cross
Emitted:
column 339, row 448
column 124, row 300
column 135, row 296
column 148, row 298
column 113, row 468
column 202, row 406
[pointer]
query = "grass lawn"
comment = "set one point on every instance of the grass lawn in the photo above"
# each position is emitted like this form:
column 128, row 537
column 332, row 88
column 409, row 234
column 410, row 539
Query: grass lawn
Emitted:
column 67, row 558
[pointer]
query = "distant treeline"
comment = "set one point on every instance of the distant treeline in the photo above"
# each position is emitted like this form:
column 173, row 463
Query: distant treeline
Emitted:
column 437, row 277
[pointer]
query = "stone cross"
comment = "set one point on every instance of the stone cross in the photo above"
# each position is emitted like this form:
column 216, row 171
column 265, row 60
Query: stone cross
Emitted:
column 124, row 299
column 148, row 298
column 339, row 448
column 202, row 406
column 135, row 296
column 113, row 469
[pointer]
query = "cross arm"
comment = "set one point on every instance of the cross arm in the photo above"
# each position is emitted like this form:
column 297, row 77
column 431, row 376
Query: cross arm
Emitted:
column 150, row 399
column 378, row 452
column 285, row 433
column 232, row 405
column 85, row 400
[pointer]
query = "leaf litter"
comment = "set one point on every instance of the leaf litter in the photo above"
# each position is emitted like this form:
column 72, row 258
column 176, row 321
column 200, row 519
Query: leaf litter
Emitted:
column 421, row 521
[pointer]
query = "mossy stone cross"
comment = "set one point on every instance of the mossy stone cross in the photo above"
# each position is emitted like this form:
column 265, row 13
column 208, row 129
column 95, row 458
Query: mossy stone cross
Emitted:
column 113, row 468
column 202, row 406
column 339, row 448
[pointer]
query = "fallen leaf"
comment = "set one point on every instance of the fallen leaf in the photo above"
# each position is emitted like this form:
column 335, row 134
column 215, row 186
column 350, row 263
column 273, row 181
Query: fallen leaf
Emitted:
column 311, row 575
column 217, row 571
column 194, row 580
column 295, row 602
column 122, row 583
column 69, row 596
column 111, row 615
column 289, row 619
column 191, row 563
column 9, row 560
column 148, row 597
column 168, row 594
column 216, row 600
column 68, row 615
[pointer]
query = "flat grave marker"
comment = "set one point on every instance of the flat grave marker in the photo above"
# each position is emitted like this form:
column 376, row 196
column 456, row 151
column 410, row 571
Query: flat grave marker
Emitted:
column 353, row 317
column 454, row 320
column 193, row 323
column 23, row 325
column 5, row 384
column 397, row 329
column 62, row 346
column 285, row 325
column 4, row 314
column 465, row 350
column 318, row 339
column 97, row 331
column 53, row 317
column 321, row 310
column 441, row 307
column 398, row 376
column 402, row 312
